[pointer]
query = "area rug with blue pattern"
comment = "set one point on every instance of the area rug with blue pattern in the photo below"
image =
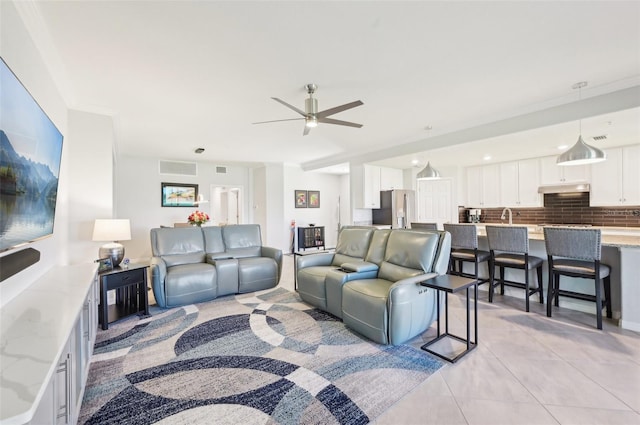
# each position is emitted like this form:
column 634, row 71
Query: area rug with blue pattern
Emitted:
column 264, row 358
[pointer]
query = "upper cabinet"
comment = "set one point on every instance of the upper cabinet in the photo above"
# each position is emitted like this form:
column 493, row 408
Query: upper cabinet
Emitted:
column 519, row 181
column 365, row 184
column 616, row 181
column 552, row 173
column 369, row 180
column 483, row 186
column 390, row 178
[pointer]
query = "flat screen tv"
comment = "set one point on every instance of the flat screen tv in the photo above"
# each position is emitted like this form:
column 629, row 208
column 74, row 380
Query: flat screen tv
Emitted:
column 30, row 155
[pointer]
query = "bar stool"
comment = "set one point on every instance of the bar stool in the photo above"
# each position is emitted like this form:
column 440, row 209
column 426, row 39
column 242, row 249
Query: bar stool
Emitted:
column 425, row 226
column 464, row 248
column 512, row 244
column 580, row 252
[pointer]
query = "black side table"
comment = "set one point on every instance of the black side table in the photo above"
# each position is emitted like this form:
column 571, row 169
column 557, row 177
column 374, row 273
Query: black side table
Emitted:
column 450, row 284
column 130, row 284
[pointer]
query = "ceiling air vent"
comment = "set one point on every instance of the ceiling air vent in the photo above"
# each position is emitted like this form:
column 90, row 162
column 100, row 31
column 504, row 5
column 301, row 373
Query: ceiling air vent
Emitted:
column 179, row 168
column 598, row 138
column 221, row 170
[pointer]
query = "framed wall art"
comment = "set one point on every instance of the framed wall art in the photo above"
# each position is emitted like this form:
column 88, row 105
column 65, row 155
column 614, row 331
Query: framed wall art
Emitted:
column 179, row 195
column 314, row 199
column 301, row 198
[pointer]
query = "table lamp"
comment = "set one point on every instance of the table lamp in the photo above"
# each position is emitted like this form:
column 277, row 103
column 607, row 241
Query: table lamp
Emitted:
column 112, row 230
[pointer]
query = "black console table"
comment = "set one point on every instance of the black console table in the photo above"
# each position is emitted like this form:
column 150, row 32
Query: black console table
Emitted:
column 130, row 284
column 450, row 284
column 311, row 237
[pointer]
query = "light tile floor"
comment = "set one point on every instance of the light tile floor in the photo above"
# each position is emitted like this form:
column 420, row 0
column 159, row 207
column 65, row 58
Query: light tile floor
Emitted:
column 528, row 369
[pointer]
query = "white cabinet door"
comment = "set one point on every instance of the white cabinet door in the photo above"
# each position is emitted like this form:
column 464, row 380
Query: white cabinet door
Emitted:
column 371, row 188
column 491, row 186
column 606, row 180
column 551, row 173
column 483, row 186
column 390, row 178
column 528, row 183
column 509, row 192
column 474, row 187
column 631, row 175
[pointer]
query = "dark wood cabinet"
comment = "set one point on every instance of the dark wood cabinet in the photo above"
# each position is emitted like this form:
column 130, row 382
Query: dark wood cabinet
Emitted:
column 311, row 237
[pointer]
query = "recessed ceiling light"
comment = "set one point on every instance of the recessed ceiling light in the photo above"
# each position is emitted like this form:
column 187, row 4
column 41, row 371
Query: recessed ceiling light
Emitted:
column 486, row 157
column 561, row 147
column 415, row 162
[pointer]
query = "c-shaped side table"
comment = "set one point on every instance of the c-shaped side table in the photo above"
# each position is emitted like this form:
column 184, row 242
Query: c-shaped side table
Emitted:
column 451, row 284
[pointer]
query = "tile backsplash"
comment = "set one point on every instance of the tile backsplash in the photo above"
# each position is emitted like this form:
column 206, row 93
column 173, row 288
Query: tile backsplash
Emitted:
column 565, row 208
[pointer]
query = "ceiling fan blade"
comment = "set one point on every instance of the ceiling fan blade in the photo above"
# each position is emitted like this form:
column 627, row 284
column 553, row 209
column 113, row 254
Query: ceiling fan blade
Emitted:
column 337, row 109
column 339, row 122
column 306, row 130
column 290, row 106
column 290, row 119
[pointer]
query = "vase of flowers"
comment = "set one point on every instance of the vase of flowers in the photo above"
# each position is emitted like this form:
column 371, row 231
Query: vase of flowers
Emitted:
column 198, row 218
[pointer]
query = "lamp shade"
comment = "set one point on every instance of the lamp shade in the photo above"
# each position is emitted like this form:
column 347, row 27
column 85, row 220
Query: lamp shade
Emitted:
column 581, row 153
column 428, row 173
column 112, row 230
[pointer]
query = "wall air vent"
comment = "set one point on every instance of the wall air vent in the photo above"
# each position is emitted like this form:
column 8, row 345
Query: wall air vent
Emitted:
column 179, row 168
column 601, row 137
column 221, row 170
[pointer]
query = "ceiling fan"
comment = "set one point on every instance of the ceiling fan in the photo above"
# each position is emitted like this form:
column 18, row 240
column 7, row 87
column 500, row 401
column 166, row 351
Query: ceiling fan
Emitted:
column 311, row 116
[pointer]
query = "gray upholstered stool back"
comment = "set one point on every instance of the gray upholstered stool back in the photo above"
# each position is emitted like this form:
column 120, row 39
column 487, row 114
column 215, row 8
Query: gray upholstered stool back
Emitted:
column 581, row 244
column 463, row 236
column 425, row 226
column 508, row 238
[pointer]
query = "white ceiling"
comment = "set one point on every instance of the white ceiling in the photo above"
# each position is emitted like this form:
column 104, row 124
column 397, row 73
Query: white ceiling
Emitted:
column 177, row 75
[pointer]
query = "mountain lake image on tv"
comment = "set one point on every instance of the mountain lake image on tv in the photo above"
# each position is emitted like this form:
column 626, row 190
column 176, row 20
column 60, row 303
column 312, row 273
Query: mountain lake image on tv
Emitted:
column 30, row 154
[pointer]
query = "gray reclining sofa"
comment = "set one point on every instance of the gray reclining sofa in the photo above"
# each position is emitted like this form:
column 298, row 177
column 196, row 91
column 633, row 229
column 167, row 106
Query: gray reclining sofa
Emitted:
column 196, row 264
column 372, row 280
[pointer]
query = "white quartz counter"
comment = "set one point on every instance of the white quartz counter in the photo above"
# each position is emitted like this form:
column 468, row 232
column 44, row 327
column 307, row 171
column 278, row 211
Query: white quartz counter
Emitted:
column 34, row 328
column 611, row 236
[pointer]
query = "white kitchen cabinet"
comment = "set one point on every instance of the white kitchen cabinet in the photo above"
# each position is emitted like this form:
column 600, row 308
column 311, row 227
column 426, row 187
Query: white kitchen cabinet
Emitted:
column 616, row 181
column 519, row 181
column 390, row 178
column 53, row 332
column 483, row 186
column 365, row 184
column 551, row 173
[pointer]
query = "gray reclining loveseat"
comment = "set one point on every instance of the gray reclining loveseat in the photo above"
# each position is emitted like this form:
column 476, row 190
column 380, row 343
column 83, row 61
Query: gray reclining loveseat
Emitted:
column 376, row 289
column 196, row 264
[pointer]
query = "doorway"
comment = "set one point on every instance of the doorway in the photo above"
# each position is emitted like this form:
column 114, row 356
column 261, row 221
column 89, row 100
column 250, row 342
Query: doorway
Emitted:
column 227, row 204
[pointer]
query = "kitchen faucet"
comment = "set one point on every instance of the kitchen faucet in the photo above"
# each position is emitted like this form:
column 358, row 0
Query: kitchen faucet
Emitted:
column 502, row 217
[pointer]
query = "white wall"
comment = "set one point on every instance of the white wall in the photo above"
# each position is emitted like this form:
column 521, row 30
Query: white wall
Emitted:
column 90, row 157
column 138, row 188
column 329, row 186
column 22, row 56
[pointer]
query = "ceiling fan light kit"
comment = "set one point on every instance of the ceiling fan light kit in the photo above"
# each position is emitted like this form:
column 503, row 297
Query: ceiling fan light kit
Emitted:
column 581, row 153
column 311, row 116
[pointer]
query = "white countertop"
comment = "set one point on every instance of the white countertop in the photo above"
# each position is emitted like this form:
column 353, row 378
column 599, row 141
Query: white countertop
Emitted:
column 611, row 236
column 34, row 327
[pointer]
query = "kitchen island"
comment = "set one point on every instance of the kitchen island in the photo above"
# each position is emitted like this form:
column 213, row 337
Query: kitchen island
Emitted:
column 620, row 250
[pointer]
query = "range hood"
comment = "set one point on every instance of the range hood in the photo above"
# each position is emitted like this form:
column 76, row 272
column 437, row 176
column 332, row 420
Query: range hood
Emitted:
column 565, row 188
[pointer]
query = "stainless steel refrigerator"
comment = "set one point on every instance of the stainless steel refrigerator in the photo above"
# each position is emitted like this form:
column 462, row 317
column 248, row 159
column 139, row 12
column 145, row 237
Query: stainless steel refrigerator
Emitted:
column 397, row 209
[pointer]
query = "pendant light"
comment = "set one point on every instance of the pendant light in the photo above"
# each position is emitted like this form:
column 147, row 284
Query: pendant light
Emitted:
column 428, row 173
column 581, row 153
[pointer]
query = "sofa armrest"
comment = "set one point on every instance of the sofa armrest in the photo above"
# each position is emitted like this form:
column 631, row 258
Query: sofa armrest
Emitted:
column 412, row 308
column 274, row 253
column 359, row 267
column 322, row 258
column 158, row 275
